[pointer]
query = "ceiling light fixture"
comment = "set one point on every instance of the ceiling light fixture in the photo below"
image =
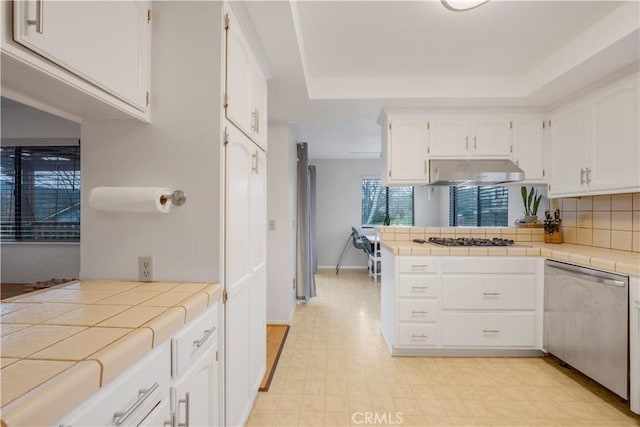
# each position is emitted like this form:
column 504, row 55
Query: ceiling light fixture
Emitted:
column 462, row 5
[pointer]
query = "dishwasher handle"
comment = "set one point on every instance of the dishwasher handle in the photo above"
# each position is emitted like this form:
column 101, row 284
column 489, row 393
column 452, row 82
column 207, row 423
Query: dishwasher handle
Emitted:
column 588, row 274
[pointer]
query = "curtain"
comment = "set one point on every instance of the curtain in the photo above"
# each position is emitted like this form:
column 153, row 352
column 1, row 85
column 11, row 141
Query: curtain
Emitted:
column 306, row 262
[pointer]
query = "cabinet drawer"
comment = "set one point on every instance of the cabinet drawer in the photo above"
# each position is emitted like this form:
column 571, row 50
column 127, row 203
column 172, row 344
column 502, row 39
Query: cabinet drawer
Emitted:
column 417, row 335
column 501, row 265
column 417, row 264
column 418, row 310
column 145, row 384
column 423, row 285
column 488, row 329
column 503, row 292
column 193, row 339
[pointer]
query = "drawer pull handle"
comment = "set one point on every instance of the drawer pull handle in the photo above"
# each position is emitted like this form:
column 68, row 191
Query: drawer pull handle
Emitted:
column 419, row 287
column 143, row 394
column 490, row 331
column 207, row 334
column 424, row 313
column 491, row 294
column 186, row 401
column 419, row 266
column 419, row 336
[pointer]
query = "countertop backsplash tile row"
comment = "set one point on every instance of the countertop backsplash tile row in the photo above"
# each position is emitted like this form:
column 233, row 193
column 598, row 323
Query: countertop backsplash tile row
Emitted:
column 610, row 221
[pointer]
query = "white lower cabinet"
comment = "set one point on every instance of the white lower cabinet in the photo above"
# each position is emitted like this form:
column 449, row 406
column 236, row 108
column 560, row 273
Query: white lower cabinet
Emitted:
column 194, row 395
column 453, row 305
column 175, row 384
column 634, row 343
column 489, row 329
column 131, row 397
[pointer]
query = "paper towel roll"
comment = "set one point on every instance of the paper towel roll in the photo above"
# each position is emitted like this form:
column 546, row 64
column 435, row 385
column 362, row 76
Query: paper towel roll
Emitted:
column 130, row 199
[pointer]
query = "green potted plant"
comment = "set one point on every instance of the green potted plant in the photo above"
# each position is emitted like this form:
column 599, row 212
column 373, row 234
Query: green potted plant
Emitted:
column 531, row 201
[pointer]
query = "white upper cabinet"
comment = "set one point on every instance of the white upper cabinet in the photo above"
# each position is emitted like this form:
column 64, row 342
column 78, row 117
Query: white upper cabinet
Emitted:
column 615, row 151
column 405, row 151
column 245, row 85
column 595, row 147
column 569, row 137
column 528, row 147
column 490, row 137
column 449, row 137
column 105, row 43
column 456, row 137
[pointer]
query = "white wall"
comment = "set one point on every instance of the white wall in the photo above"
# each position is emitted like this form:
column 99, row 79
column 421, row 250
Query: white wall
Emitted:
column 34, row 262
column 28, row 122
column 180, row 149
column 281, row 208
column 427, row 207
column 339, row 206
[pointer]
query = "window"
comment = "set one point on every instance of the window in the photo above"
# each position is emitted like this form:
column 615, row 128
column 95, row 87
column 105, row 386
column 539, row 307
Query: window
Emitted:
column 478, row 206
column 40, row 193
column 379, row 202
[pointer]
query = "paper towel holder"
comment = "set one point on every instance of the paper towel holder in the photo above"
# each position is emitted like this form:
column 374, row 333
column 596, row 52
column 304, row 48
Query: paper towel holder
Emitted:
column 177, row 198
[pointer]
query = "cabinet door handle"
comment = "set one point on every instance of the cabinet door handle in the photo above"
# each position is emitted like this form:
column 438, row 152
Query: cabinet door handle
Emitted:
column 254, row 162
column 425, row 167
column 143, row 394
column 491, row 294
column 39, row 17
column 255, row 121
column 419, row 336
column 418, row 287
column 466, row 140
column 186, row 400
column 475, row 142
column 424, row 313
column 490, row 331
column 422, row 266
column 582, row 172
column 588, row 174
column 207, row 334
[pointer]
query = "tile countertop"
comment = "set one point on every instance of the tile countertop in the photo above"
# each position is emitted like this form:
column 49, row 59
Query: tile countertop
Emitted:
column 74, row 338
column 607, row 259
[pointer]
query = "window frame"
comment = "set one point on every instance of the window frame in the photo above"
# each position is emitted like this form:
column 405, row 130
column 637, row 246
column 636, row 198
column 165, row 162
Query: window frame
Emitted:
column 15, row 219
column 453, row 206
column 386, row 201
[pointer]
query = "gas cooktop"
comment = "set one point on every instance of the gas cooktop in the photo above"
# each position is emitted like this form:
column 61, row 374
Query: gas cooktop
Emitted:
column 464, row 241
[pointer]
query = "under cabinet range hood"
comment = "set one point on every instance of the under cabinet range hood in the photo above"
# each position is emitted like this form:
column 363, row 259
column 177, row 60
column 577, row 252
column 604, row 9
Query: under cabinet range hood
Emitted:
column 474, row 172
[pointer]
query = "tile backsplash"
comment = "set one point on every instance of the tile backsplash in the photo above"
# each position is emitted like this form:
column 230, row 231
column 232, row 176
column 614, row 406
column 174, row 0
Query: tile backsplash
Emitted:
column 611, row 221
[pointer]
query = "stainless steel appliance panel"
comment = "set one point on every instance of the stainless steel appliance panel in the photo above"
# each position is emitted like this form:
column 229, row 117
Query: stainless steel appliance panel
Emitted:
column 586, row 321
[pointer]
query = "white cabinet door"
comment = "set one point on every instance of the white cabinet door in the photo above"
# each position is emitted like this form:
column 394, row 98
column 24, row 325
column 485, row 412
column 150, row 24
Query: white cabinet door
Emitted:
column 614, row 157
column 528, row 147
column 569, row 137
column 634, row 343
column 490, row 137
column 259, row 108
column 194, row 395
column 159, row 417
column 258, row 263
column 239, row 76
column 104, row 42
column 449, row 137
column 407, row 152
column 245, row 321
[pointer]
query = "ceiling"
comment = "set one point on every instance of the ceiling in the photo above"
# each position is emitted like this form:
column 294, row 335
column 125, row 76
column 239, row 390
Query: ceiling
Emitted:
column 335, row 64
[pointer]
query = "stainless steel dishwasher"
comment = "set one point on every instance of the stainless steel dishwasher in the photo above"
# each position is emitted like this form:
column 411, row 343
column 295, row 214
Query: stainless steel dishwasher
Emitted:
column 586, row 322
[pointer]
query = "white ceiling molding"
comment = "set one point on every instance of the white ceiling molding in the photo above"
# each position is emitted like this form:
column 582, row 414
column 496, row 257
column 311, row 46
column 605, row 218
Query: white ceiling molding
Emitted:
column 616, row 31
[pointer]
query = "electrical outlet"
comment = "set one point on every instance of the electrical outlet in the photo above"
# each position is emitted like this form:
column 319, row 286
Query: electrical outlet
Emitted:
column 145, row 268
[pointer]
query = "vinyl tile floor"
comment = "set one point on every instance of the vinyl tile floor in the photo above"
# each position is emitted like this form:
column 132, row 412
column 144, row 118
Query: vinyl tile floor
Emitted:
column 335, row 370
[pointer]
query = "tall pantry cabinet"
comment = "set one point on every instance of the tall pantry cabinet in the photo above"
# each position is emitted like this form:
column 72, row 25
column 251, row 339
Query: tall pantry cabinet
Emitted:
column 245, row 225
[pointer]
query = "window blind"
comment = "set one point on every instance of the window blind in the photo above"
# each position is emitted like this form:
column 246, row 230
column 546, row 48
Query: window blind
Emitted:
column 40, row 193
column 478, row 206
column 378, row 202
